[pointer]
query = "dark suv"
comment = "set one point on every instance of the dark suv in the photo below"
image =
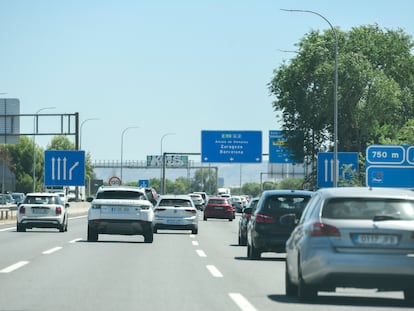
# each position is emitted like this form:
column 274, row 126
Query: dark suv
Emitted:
column 274, row 219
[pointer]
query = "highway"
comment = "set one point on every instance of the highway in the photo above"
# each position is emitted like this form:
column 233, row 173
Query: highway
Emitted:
column 43, row 269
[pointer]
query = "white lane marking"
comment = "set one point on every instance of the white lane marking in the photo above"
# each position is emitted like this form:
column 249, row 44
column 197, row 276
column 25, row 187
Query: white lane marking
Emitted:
column 13, row 267
column 7, row 229
column 192, row 236
column 214, row 271
column 201, row 253
column 52, row 250
column 195, row 243
column 78, row 217
column 242, row 302
column 75, row 240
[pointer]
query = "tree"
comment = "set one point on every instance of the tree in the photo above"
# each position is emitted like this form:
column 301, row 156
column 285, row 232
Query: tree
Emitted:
column 375, row 87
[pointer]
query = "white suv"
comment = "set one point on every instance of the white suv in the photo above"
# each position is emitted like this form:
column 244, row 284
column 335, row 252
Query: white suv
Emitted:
column 121, row 210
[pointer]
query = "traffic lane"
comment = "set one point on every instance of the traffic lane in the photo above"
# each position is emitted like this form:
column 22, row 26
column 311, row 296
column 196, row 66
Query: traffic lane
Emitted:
column 25, row 246
column 262, row 282
column 118, row 273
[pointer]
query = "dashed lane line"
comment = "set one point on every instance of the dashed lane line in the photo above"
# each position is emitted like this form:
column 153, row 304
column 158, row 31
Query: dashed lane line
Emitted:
column 52, row 250
column 201, row 253
column 13, row 267
column 242, row 302
column 214, row 271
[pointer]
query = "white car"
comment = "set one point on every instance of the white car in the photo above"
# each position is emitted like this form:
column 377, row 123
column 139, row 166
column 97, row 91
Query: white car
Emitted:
column 42, row 210
column 120, row 210
column 177, row 213
column 198, row 200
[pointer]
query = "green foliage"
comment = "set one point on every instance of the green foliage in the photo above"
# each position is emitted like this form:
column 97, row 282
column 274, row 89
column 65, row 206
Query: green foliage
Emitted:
column 375, row 91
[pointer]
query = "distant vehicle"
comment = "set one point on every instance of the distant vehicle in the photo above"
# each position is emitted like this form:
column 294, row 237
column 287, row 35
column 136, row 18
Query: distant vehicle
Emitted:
column 42, row 210
column 244, row 220
column 176, row 213
column 204, row 195
column 151, row 194
column 353, row 237
column 121, row 210
column 268, row 228
column 224, row 192
column 219, row 207
column 198, row 200
column 6, row 199
column 18, row 197
column 237, row 203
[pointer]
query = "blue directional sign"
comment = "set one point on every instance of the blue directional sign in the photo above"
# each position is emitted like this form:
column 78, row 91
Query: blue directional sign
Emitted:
column 278, row 153
column 231, row 146
column 347, row 167
column 64, row 168
column 144, row 183
column 390, row 166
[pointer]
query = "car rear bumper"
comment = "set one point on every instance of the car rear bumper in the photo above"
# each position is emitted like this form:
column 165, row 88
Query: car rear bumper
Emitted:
column 52, row 222
column 219, row 215
column 271, row 243
column 124, row 227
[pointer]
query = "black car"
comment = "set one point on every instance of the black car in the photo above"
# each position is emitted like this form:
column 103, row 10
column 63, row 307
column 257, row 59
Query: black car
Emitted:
column 272, row 221
column 244, row 220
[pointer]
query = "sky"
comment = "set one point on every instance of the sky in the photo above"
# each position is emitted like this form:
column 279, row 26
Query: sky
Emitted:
column 158, row 67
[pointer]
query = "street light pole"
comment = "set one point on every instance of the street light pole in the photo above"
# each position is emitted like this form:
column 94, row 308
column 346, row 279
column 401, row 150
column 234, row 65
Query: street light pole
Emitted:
column 335, row 134
column 162, row 177
column 80, row 135
column 35, row 125
column 122, row 146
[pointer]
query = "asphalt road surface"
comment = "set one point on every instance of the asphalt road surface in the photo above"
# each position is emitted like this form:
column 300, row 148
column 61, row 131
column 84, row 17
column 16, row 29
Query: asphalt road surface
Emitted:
column 43, row 269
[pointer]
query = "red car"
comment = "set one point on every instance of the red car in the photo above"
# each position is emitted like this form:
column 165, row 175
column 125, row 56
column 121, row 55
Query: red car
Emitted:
column 219, row 207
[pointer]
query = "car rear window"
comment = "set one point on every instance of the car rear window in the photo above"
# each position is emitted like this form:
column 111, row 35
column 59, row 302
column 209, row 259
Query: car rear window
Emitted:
column 175, row 202
column 376, row 209
column 218, row 201
column 285, row 204
column 122, row 195
column 42, row 200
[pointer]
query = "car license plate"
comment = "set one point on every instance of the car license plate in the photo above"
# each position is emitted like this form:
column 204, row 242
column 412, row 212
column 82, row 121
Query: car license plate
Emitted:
column 40, row 211
column 218, row 207
column 376, row 239
column 117, row 210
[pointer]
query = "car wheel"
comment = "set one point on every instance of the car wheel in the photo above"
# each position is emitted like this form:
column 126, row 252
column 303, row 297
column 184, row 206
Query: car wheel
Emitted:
column 231, row 219
column 155, row 230
column 290, row 288
column 149, row 237
column 252, row 252
column 409, row 295
column 92, row 235
column 20, row 228
column 204, row 218
column 194, row 231
column 306, row 291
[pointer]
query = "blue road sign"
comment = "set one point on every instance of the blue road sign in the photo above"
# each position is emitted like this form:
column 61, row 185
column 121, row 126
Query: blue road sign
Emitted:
column 347, row 167
column 390, row 166
column 278, row 153
column 144, row 183
column 64, row 168
column 231, row 146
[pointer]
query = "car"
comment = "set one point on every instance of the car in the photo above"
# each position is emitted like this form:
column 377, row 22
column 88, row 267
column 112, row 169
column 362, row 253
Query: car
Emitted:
column 219, row 207
column 237, row 203
column 204, row 195
column 268, row 229
column 198, row 200
column 151, row 194
column 42, row 210
column 176, row 212
column 18, row 197
column 356, row 237
column 244, row 220
column 121, row 210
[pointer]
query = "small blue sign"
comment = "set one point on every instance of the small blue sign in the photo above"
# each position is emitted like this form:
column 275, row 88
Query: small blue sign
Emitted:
column 64, row 168
column 143, row 183
column 231, row 146
column 385, row 154
column 347, row 167
column 278, row 153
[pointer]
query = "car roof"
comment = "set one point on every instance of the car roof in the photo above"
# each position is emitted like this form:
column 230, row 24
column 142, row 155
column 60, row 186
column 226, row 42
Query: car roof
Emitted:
column 49, row 194
column 355, row 192
column 172, row 196
column 121, row 188
column 287, row 192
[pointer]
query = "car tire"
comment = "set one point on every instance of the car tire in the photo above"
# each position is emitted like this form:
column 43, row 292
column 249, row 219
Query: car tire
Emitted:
column 194, row 231
column 409, row 295
column 149, row 237
column 64, row 226
column 20, row 228
column 306, row 292
column 204, row 218
column 230, row 219
column 290, row 288
column 92, row 235
column 242, row 240
column 252, row 252
column 155, row 230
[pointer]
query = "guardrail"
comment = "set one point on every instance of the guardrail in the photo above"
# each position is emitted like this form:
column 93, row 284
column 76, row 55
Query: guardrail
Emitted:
column 8, row 211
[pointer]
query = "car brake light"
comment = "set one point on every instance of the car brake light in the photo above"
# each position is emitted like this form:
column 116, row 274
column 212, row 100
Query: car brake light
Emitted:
column 321, row 229
column 22, row 210
column 58, row 210
column 263, row 218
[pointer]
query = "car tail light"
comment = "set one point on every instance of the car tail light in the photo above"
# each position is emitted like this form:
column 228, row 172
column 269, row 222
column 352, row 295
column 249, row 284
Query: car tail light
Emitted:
column 58, row 210
column 263, row 218
column 22, row 210
column 321, row 229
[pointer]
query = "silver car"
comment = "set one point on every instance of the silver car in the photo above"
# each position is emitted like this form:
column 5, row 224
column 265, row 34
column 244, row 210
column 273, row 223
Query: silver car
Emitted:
column 353, row 237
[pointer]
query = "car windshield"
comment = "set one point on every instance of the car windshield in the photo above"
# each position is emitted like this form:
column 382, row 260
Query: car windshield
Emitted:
column 122, row 195
column 175, row 202
column 377, row 209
